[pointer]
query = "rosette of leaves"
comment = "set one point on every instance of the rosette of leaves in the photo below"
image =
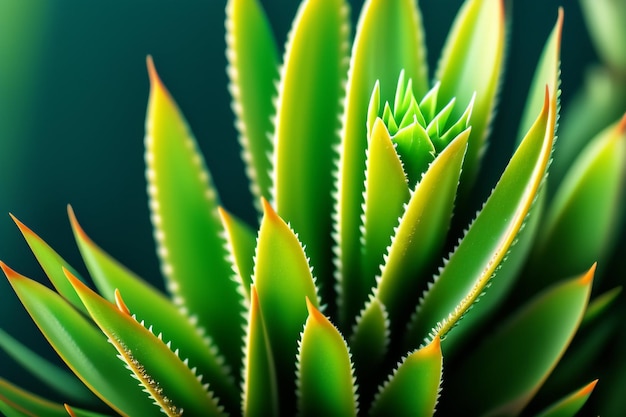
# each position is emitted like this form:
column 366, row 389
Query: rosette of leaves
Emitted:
column 358, row 293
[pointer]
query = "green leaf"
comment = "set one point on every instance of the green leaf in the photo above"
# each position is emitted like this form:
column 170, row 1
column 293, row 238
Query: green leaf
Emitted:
column 421, row 233
column 187, row 225
column 54, row 377
column 52, row 264
column 150, row 305
column 325, row 381
column 485, row 245
column 386, row 192
column 165, row 378
column 23, row 403
column 547, row 73
column 283, row 279
column 82, row 347
column 260, row 389
column 591, row 190
column 413, row 388
column 241, row 243
column 388, row 39
column 528, row 345
column 571, row 404
column 253, row 72
column 307, row 123
column 605, row 20
column 471, row 63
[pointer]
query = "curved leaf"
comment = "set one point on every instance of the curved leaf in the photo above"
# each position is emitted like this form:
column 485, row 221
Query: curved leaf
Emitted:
column 591, row 190
column 259, row 389
column 241, row 243
column 188, row 229
column 369, row 341
column 413, row 389
column 168, row 380
column 485, row 245
column 307, row 123
column 388, row 39
column 386, row 192
column 325, row 381
column 23, row 403
column 82, row 346
column 53, row 376
column 471, row 63
column 422, row 232
column 571, row 404
column 253, row 71
column 528, row 345
column 283, row 279
column 150, row 305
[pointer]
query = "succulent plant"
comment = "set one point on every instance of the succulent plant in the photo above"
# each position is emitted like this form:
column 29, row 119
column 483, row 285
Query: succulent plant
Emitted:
column 370, row 287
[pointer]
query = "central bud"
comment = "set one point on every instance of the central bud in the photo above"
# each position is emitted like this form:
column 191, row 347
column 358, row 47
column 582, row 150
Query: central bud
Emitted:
column 419, row 131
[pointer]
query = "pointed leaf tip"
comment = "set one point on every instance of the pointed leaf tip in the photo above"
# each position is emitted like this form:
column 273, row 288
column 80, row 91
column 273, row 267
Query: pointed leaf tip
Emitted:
column 622, row 125
column 314, row 313
column 10, row 273
column 588, row 277
column 121, row 305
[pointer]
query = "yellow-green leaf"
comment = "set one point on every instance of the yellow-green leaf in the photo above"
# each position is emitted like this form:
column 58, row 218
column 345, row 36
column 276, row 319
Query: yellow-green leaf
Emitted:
column 388, row 39
column 166, row 378
column 528, row 345
column 253, row 71
column 283, row 279
column 413, row 388
column 570, row 404
column 188, row 230
column 81, row 346
column 148, row 304
column 326, row 386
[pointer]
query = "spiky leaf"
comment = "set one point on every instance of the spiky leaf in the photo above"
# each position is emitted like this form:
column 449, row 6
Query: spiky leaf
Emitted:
column 325, row 381
column 253, row 71
column 187, row 225
column 166, row 379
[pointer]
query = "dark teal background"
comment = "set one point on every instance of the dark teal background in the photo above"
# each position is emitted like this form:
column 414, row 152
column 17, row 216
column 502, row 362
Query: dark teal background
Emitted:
column 73, row 92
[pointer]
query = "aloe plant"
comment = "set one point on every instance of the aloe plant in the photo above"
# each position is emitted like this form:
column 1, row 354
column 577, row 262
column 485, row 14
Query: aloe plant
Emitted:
column 368, row 281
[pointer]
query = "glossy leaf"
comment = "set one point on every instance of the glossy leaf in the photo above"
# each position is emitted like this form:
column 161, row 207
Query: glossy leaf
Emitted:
column 260, row 395
column 82, row 346
column 150, row 305
column 52, row 263
column 253, row 72
column 571, row 404
column 307, row 126
column 326, row 386
column 413, row 388
column 282, row 283
column 421, row 232
column 241, row 245
column 548, row 73
column 187, row 225
column 528, row 345
column 166, row 379
column 370, row 340
column 386, row 193
column 388, row 39
column 27, row 404
column 490, row 237
column 591, row 190
column 50, row 374
column 471, row 63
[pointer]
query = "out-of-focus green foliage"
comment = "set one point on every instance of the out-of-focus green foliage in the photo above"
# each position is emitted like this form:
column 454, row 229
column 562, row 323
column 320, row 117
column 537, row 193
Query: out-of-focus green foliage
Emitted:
column 366, row 284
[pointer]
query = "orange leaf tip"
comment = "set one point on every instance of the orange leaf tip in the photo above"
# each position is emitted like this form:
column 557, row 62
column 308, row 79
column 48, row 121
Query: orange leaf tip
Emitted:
column 10, row 273
column 433, row 346
column 314, row 313
column 121, row 305
column 70, row 412
column 622, row 125
column 76, row 226
column 587, row 389
column 588, row 276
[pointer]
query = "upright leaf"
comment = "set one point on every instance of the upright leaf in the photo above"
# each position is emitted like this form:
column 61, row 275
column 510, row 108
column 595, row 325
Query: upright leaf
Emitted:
column 528, row 345
column 490, row 237
column 86, row 351
column 253, row 71
column 388, row 39
column 326, row 386
column 283, row 280
column 307, row 123
column 187, row 226
column 472, row 63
